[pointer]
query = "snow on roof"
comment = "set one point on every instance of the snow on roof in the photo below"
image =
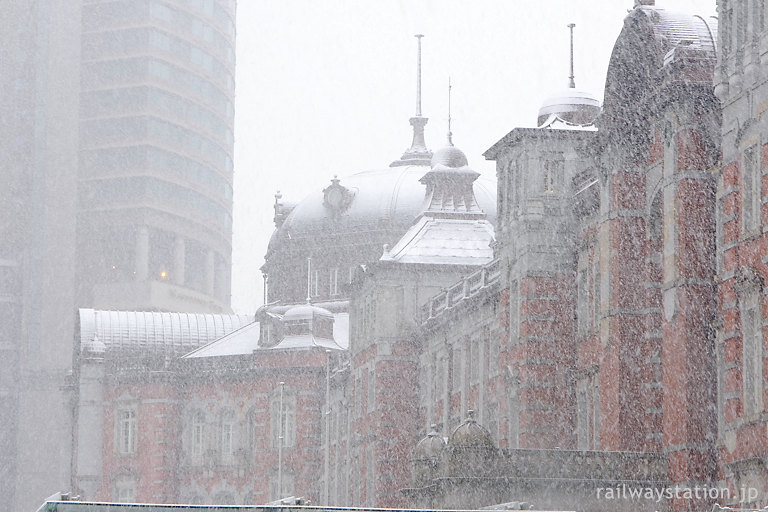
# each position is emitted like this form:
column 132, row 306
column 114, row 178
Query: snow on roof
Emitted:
column 674, row 29
column 302, row 341
column 245, row 340
column 148, row 332
column 440, row 241
column 340, row 339
column 391, row 196
column 240, row 342
column 555, row 122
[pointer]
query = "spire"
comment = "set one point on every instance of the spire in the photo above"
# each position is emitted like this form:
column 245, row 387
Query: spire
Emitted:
column 418, row 76
column 571, row 82
column 417, row 154
column 450, row 135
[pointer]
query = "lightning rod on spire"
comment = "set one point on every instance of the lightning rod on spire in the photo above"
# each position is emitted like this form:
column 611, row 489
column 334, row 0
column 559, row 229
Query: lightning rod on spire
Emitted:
column 450, row 135
column 571, row 81
column 418, row 77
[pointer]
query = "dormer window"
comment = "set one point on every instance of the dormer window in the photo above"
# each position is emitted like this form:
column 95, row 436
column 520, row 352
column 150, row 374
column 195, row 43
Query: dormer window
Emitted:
column 298, row 327
column 323, row 328
column 334, row 281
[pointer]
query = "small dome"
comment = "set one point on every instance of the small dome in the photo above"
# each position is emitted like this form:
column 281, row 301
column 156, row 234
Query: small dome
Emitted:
column 449, row 156
column 94, row 346
column 470, row 434
column 305, row 312
column 572, row 106
column 430, row 447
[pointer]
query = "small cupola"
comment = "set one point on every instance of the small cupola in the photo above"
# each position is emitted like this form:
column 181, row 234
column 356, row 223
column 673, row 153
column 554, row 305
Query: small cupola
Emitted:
column 450, row 180
column 308, row 320
column 471, row 450
column 426, row 457
column 570, row 108
column 470, row 434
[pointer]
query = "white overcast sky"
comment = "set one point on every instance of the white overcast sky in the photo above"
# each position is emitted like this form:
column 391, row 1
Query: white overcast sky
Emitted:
column 326, row 87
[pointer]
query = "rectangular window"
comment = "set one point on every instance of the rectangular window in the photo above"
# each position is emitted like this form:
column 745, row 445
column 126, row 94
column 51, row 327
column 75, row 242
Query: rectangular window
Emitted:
column 351, row 275
column 227, row 444
column 280, row 489
column 741, row 24
column 358, row 396
column 752, row 343
column 371, row 391
column 596, row 293
column 501, row 196
column 456, row 372
column 587, row 408
column 283, row 426
column 582, row 300
column 334, row 281
column 582, row 418
column 125, row 490
column 126, row 431
column 549, row 177
column 751, row 190
column 371, row 477
column 551, row 171
column 513, row 416
column 494, row 352
column 514, row 312
column 198, row 433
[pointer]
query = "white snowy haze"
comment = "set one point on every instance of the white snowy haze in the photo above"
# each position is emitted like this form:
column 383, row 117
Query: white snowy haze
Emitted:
column 326, row 88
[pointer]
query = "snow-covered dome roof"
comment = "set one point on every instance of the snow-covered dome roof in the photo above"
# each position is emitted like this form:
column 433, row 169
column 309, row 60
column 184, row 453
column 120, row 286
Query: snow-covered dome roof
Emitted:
column 380, row 199
column 449, row 156
column 306, row 312
column 430, row 447
column 343, row 227
column 94, row 346
column 572, row 106
column 470, row 434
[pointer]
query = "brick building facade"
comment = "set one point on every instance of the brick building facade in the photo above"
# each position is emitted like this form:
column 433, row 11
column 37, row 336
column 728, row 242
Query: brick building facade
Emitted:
column 609, row 330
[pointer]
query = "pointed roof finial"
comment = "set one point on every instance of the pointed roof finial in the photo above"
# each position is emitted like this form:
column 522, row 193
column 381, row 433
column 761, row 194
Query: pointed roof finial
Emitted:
column 417, row 154
column 571, row 82
column 450, row 135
